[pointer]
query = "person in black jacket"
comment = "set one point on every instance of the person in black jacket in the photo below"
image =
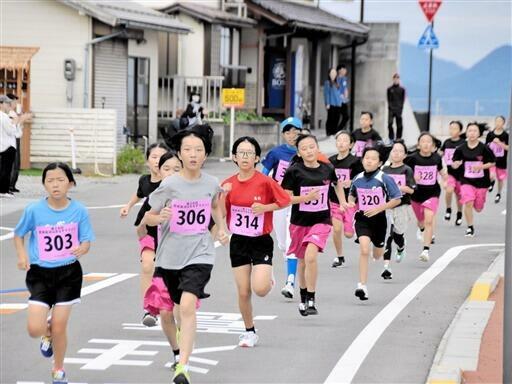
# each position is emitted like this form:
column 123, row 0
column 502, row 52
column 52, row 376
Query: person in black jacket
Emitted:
column 396, row 99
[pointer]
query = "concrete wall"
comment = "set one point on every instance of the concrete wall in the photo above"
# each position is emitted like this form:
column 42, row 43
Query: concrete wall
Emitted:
column 43, row 24
column 249, row 57
column 149, row 49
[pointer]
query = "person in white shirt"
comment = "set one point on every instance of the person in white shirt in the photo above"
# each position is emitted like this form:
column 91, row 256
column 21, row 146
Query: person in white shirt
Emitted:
column 13, row 113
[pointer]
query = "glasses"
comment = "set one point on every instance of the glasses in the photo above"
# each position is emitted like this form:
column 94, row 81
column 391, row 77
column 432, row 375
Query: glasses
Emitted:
column 245, row 154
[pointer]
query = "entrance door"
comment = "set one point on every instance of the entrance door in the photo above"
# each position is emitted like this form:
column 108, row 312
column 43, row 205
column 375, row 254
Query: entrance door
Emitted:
column 137, row 120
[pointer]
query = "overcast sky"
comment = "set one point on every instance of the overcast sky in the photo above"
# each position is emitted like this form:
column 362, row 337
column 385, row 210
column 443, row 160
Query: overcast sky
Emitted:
column 467, row 29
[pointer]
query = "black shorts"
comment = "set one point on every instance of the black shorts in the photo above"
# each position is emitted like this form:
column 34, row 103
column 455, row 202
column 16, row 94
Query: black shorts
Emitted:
column 193, row 279
column 373, row 227
column 245, row 250
column 54, row 286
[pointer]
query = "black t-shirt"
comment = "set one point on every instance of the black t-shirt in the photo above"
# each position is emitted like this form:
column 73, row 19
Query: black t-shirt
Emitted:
column 481, row 154
column 363, row 139
column 427, row 168
column 299, row 177
column 402, row 174
column 349, row 166
column 448, row 149
column 500, row 153
column 146, row 186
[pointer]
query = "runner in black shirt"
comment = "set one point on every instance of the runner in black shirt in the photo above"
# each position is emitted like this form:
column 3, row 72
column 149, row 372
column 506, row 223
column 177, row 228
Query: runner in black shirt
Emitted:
column 365, row 136
column 497, row 140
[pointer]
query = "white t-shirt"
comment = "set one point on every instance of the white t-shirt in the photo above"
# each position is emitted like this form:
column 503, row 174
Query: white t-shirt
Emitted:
column 8, row 132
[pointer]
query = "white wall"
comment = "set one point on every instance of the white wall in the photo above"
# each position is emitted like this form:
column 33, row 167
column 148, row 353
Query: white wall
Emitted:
column 149, row 49
column 43, row 24
column 191, row 48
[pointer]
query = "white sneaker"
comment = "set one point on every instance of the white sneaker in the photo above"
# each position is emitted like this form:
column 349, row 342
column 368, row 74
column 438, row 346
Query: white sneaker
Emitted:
column 361, row 291
column 288, row 291
column 248, row 339
column 7, row 195
column 424, row 256
column 419, row 235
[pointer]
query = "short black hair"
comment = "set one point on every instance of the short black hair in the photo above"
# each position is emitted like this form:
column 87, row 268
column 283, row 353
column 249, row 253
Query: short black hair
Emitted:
column 499, row 116
column 377, row 148
column 302, row 137
column 341, row 66
column 156, row 145
column 367, row 113
column 402, row 143
column 203, row 132
column 249, row 139
column 437, row 143
column 167, row 156
column 63, row 166
column 344, row 132
column 457, row 122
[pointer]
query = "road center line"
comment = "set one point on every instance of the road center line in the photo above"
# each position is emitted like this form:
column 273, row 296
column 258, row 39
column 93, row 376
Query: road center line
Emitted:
column 348, row 365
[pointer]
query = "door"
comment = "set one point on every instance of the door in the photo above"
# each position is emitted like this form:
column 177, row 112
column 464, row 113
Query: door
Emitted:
column 138, row 97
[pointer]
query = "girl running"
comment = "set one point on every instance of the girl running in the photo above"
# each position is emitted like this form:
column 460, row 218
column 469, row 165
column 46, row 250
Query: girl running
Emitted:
column 346, row 166
column 249, row 203
column 182, row 205
column 148, row 243
column 61, row 233
column 373, row 191
column 399, row 217
column 475, row 160
column 497, row 140
column 308, row 181
column 277, row 161
column 365, row 136
column 453, row 181
column 426, row 165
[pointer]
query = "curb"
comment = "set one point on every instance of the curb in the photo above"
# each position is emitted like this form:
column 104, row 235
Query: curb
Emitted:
column 460, row 346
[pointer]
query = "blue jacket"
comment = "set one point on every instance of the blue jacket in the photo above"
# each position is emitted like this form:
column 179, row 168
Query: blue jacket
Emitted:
column 331, row 95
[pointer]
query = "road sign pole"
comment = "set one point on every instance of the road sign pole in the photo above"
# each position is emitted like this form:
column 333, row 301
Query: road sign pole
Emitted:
column 430, row 84
column 231, row 130
column 507, row 309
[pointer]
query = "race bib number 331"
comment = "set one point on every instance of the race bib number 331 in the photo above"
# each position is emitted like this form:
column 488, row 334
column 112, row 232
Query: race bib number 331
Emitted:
column 55, row 242
column 190, row 216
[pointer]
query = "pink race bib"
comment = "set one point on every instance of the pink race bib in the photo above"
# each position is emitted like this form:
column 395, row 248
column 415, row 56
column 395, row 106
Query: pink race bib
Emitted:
column 399, row 179
column 359, row 146
column 448, row 155
column 190, row 217
column 370, row 198
column 425, row 174
column 497, row 149
column 343, row 174
column 281, row 170
column 314, row 205
column 55, row 242
column 470, row 173
column 244, row 222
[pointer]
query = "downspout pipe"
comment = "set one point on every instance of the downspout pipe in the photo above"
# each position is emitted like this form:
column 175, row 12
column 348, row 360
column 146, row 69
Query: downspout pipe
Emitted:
column 86, row 62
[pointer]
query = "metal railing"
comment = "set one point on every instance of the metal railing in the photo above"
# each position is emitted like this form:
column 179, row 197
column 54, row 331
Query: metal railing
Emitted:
column 174, row 95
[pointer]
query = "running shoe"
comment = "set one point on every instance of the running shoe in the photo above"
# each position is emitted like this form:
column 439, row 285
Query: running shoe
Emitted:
column 387, row 274
column 400, row 254
column 181, row 375
column 303, row 309
column 424, row 256
column 458, row 220
column 433, row 240
column 492, row 185
column 148, row 319
column 470, row 232
column 448, row 215
column 419, row 235
column 176, row 360
column 361, row 292
column 497, row 199
column 46, row 346
column 248, row 339
column 288, row 291
column 312, row 308
column 338, row 262
column 59, row 377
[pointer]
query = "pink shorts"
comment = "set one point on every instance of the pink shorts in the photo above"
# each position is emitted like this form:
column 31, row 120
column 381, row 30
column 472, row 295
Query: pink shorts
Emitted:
column 476, row 195
column 419, row 208
column 501, row 174
column 347, row 217
column 454, row 183
column 146, row 242
column 157, row 298
column 302, row 236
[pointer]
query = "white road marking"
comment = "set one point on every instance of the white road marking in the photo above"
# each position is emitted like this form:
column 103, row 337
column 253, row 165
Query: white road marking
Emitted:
column 16, row 306
column 7, row 229
column 504, row 212
column 348, row 365
column 106, row 283
column 99, row 275
column 7, row 236
column 112, row 206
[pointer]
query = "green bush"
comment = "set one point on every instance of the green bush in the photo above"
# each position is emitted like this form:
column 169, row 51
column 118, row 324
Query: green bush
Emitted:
column 130, row 160
column 243, row 116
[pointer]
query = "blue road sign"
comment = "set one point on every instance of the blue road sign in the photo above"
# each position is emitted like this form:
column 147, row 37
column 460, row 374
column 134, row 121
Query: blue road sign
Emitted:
column 428, row 40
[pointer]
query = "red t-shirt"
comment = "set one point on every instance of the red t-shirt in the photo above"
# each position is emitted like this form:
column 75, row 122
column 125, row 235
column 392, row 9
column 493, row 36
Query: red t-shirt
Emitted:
column 258, row 189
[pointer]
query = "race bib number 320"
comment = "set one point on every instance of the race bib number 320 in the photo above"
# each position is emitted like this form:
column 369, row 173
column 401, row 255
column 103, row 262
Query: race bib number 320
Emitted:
column 190, row 216
column 370, row 198
column 55, row 242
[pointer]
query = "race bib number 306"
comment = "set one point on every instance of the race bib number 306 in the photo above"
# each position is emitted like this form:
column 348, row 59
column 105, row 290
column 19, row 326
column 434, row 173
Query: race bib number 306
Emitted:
column 190, row 216
column 55, row 242
column 244, row 222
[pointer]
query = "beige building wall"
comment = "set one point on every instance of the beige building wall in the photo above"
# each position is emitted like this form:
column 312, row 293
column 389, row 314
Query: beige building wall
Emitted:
column 43, row 24
column 191, row 48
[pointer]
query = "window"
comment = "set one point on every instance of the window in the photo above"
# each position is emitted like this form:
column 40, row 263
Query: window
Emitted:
column 225, row 46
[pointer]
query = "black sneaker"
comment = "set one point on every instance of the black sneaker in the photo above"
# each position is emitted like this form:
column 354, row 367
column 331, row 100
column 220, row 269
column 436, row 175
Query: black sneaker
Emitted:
column 492, row 185
column 148, row 320
column 448, row 215
column 303, row 309
column 470, row 232
column 458, row 220
column 497, row 199
column 387, row 274
column 338, row 262
column 433, row 241
column 311, row 308
column 362, row 292
column 14, row 190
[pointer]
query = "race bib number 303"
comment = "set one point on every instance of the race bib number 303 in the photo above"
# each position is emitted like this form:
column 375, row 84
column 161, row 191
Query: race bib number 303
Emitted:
column 244, row 222
column 55, row 242
column 190, row 216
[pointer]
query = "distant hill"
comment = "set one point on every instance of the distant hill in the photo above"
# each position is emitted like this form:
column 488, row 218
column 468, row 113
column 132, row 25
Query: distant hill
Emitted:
column 485, row 86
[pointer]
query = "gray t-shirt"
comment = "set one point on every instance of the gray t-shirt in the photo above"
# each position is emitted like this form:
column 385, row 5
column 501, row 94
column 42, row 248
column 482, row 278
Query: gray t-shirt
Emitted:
column 192, row 200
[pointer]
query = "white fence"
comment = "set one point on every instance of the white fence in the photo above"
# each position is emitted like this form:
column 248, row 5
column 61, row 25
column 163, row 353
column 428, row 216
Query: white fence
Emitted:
column 94, row 132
